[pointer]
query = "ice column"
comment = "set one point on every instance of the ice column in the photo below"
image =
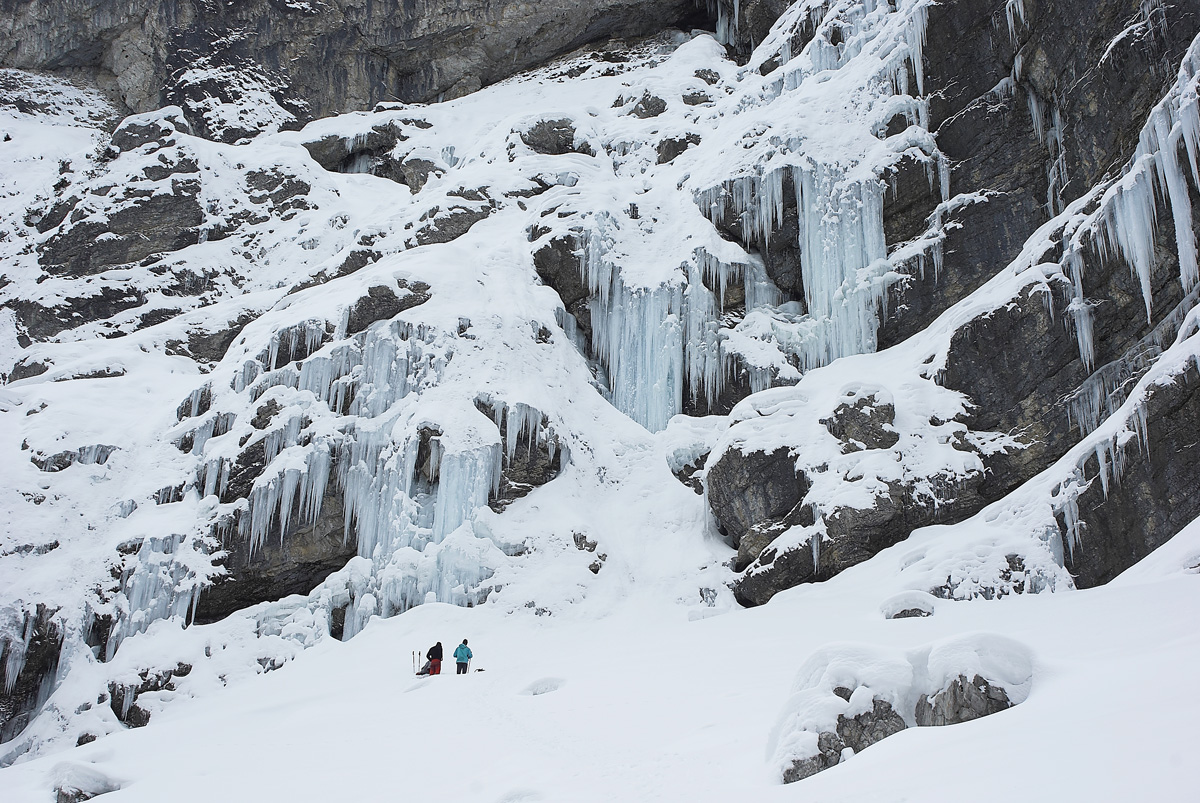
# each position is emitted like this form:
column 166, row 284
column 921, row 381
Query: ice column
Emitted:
column 157, row 586
column 637, row 333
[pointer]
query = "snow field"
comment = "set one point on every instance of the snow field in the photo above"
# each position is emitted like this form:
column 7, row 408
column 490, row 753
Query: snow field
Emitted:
column 644, row 705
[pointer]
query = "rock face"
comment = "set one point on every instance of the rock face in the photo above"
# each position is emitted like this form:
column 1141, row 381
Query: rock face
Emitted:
column 29, row 648
column 250, row 65
column 1028, row 151
column 291, row 563
column 756, row 489
column 1153, row 499
column 372, row 400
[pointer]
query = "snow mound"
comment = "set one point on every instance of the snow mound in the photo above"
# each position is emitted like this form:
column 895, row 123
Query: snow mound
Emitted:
column 849, row 696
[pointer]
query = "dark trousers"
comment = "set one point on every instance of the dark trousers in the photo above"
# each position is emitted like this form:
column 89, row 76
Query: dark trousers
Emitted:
column 462, row 669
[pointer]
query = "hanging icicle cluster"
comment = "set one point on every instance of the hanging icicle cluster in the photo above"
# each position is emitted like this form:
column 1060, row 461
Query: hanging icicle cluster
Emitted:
column 1124, row 227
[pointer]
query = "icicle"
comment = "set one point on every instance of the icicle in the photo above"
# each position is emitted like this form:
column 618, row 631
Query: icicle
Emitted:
column 637, row 334
column 1014, row 11
column 1079, row 309
column 841, row 236
column 1130, row 205
column 156, row 587
column 15, row 649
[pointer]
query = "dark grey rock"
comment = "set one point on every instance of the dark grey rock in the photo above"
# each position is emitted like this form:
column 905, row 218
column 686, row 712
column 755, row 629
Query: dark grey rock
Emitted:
column 752, row 544
column 415, row 173
column 557, row 265
column 43, row 322
column 381, row 303
column 26, row 368
column 1155, row 497
column 852, row 535
column 756, row 488
column 265, row 414
column 443, row 226
column 210, row 345
column 781, row 252
column 294, row 562
column 992, row 143
column 649, row 106
column 865, row 729
column 165, row 221
column 687, row 474
column 554, row 138
column 123, row 698
column 858, row 733
column 531, row 466
column 671, row 147
column 865, row 423
column 911, row 613
column 159, row 129
column 1019, row 365
column 829, row 754
column 86, row 455
column 962, row 701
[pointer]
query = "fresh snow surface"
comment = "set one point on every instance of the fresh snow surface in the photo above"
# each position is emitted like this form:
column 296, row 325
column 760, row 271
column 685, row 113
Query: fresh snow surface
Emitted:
column 642, row 704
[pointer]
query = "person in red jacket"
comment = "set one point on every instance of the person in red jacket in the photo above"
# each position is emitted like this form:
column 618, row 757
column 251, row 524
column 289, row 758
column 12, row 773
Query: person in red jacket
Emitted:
column 435, row 659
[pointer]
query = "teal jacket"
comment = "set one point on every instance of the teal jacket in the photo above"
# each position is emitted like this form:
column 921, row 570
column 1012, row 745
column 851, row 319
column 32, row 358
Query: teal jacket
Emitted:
column 462, row 653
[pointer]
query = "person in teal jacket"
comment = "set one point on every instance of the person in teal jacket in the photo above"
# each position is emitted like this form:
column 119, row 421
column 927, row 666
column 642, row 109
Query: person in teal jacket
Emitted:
column 462, row 655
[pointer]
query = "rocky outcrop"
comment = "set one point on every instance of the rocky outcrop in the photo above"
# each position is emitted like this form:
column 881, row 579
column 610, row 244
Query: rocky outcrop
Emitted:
column 756, row 489
column 554, row 138
column 251, row 65
column 1067, row 73
column 856, row 733
column 1029, row 127
column 122, row 697
column 528, row 464
column 961, row 701
column 850, row 697
column 852, row 535
column 30, row 642
column 294, row 562
column 557, row 265
column 1124, row 520
column 381, row 303
column 864, row 424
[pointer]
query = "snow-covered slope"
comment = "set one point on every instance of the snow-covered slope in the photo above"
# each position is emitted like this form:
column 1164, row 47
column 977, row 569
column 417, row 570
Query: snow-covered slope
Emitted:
column 645, row 705
column 266, row 396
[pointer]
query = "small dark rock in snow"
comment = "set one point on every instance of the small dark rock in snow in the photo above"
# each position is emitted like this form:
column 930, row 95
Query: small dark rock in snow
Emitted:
column 911, row 613
column 668, row 149
column 553, row 137
column 649, row 106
